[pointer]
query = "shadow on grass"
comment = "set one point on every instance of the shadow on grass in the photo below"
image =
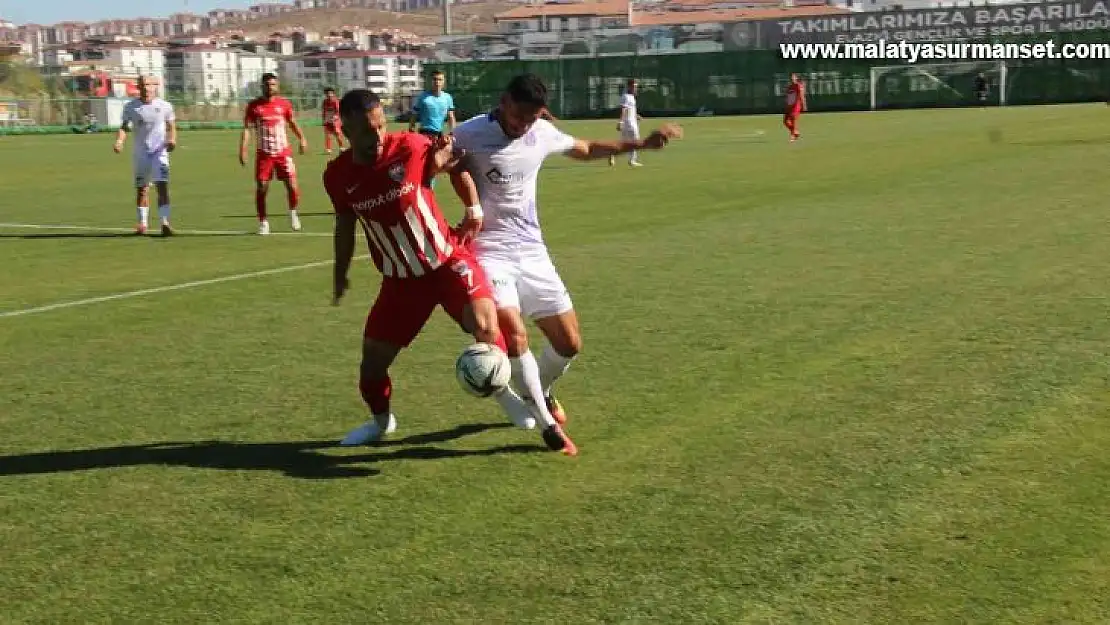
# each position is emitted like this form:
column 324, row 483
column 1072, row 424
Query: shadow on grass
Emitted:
column 300, row 459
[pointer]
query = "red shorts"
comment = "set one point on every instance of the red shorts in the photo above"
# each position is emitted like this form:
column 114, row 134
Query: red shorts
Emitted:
column 404, row 305
column 793, row 112
column 267, row 167
column 333, row 128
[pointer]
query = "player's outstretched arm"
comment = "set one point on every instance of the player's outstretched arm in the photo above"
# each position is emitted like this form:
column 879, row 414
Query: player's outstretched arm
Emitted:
column 244, row 141
column 121, row 137
column 443, row 157
column 463, row 184
column 586, row 150
column 171, row 133
column 344, row 241
column 299, row 134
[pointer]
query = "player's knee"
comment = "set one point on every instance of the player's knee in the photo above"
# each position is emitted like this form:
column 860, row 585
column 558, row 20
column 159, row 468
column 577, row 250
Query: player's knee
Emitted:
column 376, row 359
column 569, row 344
column 516, row 341
column 486, row 329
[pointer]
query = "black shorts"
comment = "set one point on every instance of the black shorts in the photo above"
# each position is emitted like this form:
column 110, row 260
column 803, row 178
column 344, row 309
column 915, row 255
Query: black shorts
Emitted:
column 981, row 96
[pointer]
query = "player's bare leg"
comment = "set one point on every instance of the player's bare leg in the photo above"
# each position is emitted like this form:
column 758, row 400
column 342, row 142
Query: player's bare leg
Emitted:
column 376, row 388
column 526, row 376
column 293, row 197
column 164, row 207
column 260, row 192
column 142, row 210
column 327, row 141
column 791, row 123
column 564, row 341
column 480, row 320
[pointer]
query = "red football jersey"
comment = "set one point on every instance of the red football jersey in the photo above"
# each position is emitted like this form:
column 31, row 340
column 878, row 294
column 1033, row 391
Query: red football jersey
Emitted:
column 330, row 110
column 268, row 118
column 405, row 229
column 794, row 95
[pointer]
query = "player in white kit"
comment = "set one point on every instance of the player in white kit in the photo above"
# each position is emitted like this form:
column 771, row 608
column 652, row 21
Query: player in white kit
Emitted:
column 629, row 124
column 155, row 128
column 496, row 180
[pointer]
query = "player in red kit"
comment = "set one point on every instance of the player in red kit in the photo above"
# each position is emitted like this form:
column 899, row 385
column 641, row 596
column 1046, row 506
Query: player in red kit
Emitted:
column 795, row 105
column 383, row 184
column 267, row 116
column 329, row 108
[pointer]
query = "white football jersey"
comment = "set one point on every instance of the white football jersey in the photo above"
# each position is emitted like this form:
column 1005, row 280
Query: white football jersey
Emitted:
column 505, row 171
column 628, row 110
column 148, row 122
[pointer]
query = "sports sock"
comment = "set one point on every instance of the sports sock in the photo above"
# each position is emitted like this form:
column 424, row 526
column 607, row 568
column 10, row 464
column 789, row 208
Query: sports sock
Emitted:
column 164, row 213
column 143, row 213
column 514, row 406
column 376, row 392
column 526, row 375
column 294, row 198
column 260, row 204
column 552, row 366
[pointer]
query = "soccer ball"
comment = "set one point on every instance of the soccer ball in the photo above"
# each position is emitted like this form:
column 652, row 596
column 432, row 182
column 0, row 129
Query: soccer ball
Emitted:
column 483, row 369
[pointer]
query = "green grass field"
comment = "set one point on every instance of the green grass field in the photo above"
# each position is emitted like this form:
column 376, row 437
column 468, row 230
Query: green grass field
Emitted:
column 859, row 379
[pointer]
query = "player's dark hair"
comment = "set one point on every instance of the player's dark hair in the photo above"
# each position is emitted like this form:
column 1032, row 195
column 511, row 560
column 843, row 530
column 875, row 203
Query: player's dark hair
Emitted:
column 269, row 76
column 358, row 101
column 329, row 90
column 528, row 89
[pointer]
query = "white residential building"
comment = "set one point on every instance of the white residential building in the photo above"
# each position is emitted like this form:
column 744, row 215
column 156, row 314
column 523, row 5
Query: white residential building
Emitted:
column 389, row 74
column 251, row 68
column 204, row 73
column 217, row 75
column 124, row 57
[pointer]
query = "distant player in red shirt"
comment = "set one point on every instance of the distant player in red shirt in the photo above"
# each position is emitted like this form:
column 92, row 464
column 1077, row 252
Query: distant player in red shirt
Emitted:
column 267, row 117
column 329, row 108
column 795, row 105
column 383, row 184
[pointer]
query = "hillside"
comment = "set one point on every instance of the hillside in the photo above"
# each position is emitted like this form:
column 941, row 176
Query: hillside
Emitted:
column 466, row 18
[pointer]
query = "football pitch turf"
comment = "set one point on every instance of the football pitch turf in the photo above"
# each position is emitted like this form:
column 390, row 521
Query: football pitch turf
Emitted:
column 858, row 379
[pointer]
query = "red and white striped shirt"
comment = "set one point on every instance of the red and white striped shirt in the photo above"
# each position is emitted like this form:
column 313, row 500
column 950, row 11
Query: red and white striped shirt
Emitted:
column 405, row 229
column 268, row 118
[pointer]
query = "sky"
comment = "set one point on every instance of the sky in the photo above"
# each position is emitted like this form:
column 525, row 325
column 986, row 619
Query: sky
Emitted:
column 52, row 11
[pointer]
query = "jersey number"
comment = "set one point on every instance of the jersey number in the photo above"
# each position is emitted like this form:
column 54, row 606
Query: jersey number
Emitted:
column 465, row 273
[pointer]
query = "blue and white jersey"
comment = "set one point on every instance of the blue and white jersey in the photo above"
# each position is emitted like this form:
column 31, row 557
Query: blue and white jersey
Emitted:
column 506, row 171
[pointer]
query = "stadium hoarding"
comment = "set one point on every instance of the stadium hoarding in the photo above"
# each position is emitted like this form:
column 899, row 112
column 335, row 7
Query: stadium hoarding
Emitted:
column 971, row 23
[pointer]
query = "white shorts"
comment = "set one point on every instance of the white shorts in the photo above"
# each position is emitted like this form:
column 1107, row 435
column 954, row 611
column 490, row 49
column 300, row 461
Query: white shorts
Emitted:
column 526, row 280
column 150, row 168
column 630, row 133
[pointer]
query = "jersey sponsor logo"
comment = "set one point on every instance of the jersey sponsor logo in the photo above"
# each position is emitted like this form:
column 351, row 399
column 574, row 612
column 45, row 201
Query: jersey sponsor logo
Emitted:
column 389, row 196
column 530, row 139
column 497, row 177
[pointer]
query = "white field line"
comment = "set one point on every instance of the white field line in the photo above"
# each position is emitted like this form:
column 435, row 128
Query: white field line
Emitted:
column 165, row 289
column 155, row 229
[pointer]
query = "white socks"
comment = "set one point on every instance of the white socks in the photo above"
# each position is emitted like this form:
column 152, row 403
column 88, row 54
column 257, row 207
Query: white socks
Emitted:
column 143, row 213
column 515, row 408
column 526, row 375
column 552, row 366
column 164, row 213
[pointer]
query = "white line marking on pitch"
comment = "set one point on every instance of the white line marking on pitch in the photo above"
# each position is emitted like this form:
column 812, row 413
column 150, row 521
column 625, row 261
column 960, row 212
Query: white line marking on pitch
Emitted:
column 167, row 288
column 186, row 232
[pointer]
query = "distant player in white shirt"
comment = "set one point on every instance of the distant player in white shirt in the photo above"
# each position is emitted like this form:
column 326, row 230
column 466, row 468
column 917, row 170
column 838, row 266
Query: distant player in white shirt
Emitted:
column 629, row 124
column 496, row 180
column 155, row 129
